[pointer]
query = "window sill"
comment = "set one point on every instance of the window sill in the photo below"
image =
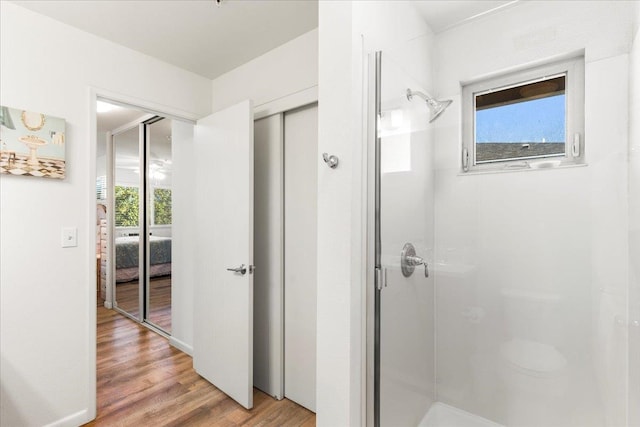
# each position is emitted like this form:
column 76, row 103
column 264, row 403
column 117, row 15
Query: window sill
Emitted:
column 529, row 168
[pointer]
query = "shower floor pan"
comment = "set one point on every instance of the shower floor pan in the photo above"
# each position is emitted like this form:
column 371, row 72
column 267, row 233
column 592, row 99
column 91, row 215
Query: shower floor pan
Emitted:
column 443, row 415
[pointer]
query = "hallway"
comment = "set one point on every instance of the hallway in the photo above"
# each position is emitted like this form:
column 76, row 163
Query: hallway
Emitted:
column 143, row 381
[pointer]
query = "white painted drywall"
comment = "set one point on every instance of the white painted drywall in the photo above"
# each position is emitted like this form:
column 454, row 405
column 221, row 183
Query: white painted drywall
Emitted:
column 553, row 236
column 339, row 220
column 287, row 69
column 47, row 297
column 634, row 226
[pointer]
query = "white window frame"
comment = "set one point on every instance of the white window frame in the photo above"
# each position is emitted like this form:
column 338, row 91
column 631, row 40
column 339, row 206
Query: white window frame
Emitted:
column 573, row 69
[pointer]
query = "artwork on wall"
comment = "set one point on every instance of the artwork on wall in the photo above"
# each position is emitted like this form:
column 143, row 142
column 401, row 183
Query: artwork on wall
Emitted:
column 31, row 144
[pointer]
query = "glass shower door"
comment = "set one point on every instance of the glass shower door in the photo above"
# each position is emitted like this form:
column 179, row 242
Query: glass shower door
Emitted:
column 404, row 300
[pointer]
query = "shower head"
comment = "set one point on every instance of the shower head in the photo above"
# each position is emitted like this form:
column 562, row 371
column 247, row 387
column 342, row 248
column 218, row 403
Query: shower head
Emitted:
column 435, row 107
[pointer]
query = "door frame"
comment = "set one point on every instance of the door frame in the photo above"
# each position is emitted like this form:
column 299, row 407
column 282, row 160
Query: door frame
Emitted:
column 282, row 104
column 90, row 240
column 280, row 108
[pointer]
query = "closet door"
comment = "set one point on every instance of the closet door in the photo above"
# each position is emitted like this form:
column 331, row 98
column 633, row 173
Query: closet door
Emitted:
column 127, row 215
column 268, row 253
column 300, row 213
column 159, row 225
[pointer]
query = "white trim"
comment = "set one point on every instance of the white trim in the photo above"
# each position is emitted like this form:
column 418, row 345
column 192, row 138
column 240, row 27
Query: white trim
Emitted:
column 111, row 220
column 359, row 250
column 286, row 103
column 73, row 420
column 144, row 105
column 181, row 345
column 90, row 241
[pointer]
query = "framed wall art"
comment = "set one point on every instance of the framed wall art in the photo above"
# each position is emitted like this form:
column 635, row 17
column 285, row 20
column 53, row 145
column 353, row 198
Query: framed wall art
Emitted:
column 31, row 144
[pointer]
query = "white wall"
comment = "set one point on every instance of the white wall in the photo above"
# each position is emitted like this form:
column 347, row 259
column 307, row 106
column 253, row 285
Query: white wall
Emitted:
column 339, row 353
column 553, row 235
column 47, row 297
column 634, row 226
column 285, row 70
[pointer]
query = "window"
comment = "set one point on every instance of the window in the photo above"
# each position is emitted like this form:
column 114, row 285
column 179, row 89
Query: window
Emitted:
column 101, row 187
column 527, row 119
column 127, row 206
column 162, row 206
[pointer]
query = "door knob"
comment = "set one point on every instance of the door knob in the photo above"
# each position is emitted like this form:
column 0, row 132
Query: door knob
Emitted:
column 242, row 269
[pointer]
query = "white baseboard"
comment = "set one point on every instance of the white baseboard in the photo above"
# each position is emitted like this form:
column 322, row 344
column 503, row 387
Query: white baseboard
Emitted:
column 108, row 305
column 182, row 346
column 77, row 419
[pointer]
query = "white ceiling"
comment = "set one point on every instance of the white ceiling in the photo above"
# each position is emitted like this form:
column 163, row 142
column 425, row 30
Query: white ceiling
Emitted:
column 200, row 36
column 210, row 39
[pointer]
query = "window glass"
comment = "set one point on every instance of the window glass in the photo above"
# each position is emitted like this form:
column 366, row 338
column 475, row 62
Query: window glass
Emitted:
column 126, row 209
column 522, row 118
column 521, row 122
column 162, row 206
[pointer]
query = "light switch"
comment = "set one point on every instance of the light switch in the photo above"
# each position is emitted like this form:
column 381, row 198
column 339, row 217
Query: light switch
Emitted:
column 69, row 237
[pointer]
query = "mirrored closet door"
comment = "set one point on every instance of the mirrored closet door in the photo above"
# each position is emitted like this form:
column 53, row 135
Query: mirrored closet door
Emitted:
column 141, row 219
column 126, row 221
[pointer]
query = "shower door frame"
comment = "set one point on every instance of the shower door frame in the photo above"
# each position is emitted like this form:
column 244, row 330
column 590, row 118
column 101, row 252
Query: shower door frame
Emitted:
column 377, row 271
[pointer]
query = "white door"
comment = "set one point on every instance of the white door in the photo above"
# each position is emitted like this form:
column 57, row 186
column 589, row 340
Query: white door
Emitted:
column 301, row 225
column 268, row 352
column 223, row 211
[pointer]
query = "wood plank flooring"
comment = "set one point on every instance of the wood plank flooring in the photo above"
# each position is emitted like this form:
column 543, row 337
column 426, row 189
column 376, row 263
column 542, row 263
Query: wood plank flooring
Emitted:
column 159, row 300
column 143, row 381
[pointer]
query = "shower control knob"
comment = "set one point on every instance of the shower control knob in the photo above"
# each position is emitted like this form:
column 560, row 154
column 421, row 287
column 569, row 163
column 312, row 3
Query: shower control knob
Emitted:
column 409, row 261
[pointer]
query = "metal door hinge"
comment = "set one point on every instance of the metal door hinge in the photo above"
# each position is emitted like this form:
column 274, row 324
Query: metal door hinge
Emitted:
column 381, row 278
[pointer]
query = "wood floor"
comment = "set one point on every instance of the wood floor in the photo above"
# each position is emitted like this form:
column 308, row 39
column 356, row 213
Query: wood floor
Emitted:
column 159, row 300
column 143, row 381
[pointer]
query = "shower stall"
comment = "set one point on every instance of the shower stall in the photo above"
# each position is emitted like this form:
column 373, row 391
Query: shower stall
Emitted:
column 500, row 299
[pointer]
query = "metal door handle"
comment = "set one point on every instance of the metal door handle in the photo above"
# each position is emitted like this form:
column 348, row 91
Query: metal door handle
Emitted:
column 242, row 269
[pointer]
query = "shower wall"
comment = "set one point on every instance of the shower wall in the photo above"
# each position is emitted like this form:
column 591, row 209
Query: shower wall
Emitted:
column 634, row 226
column 534, row 262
